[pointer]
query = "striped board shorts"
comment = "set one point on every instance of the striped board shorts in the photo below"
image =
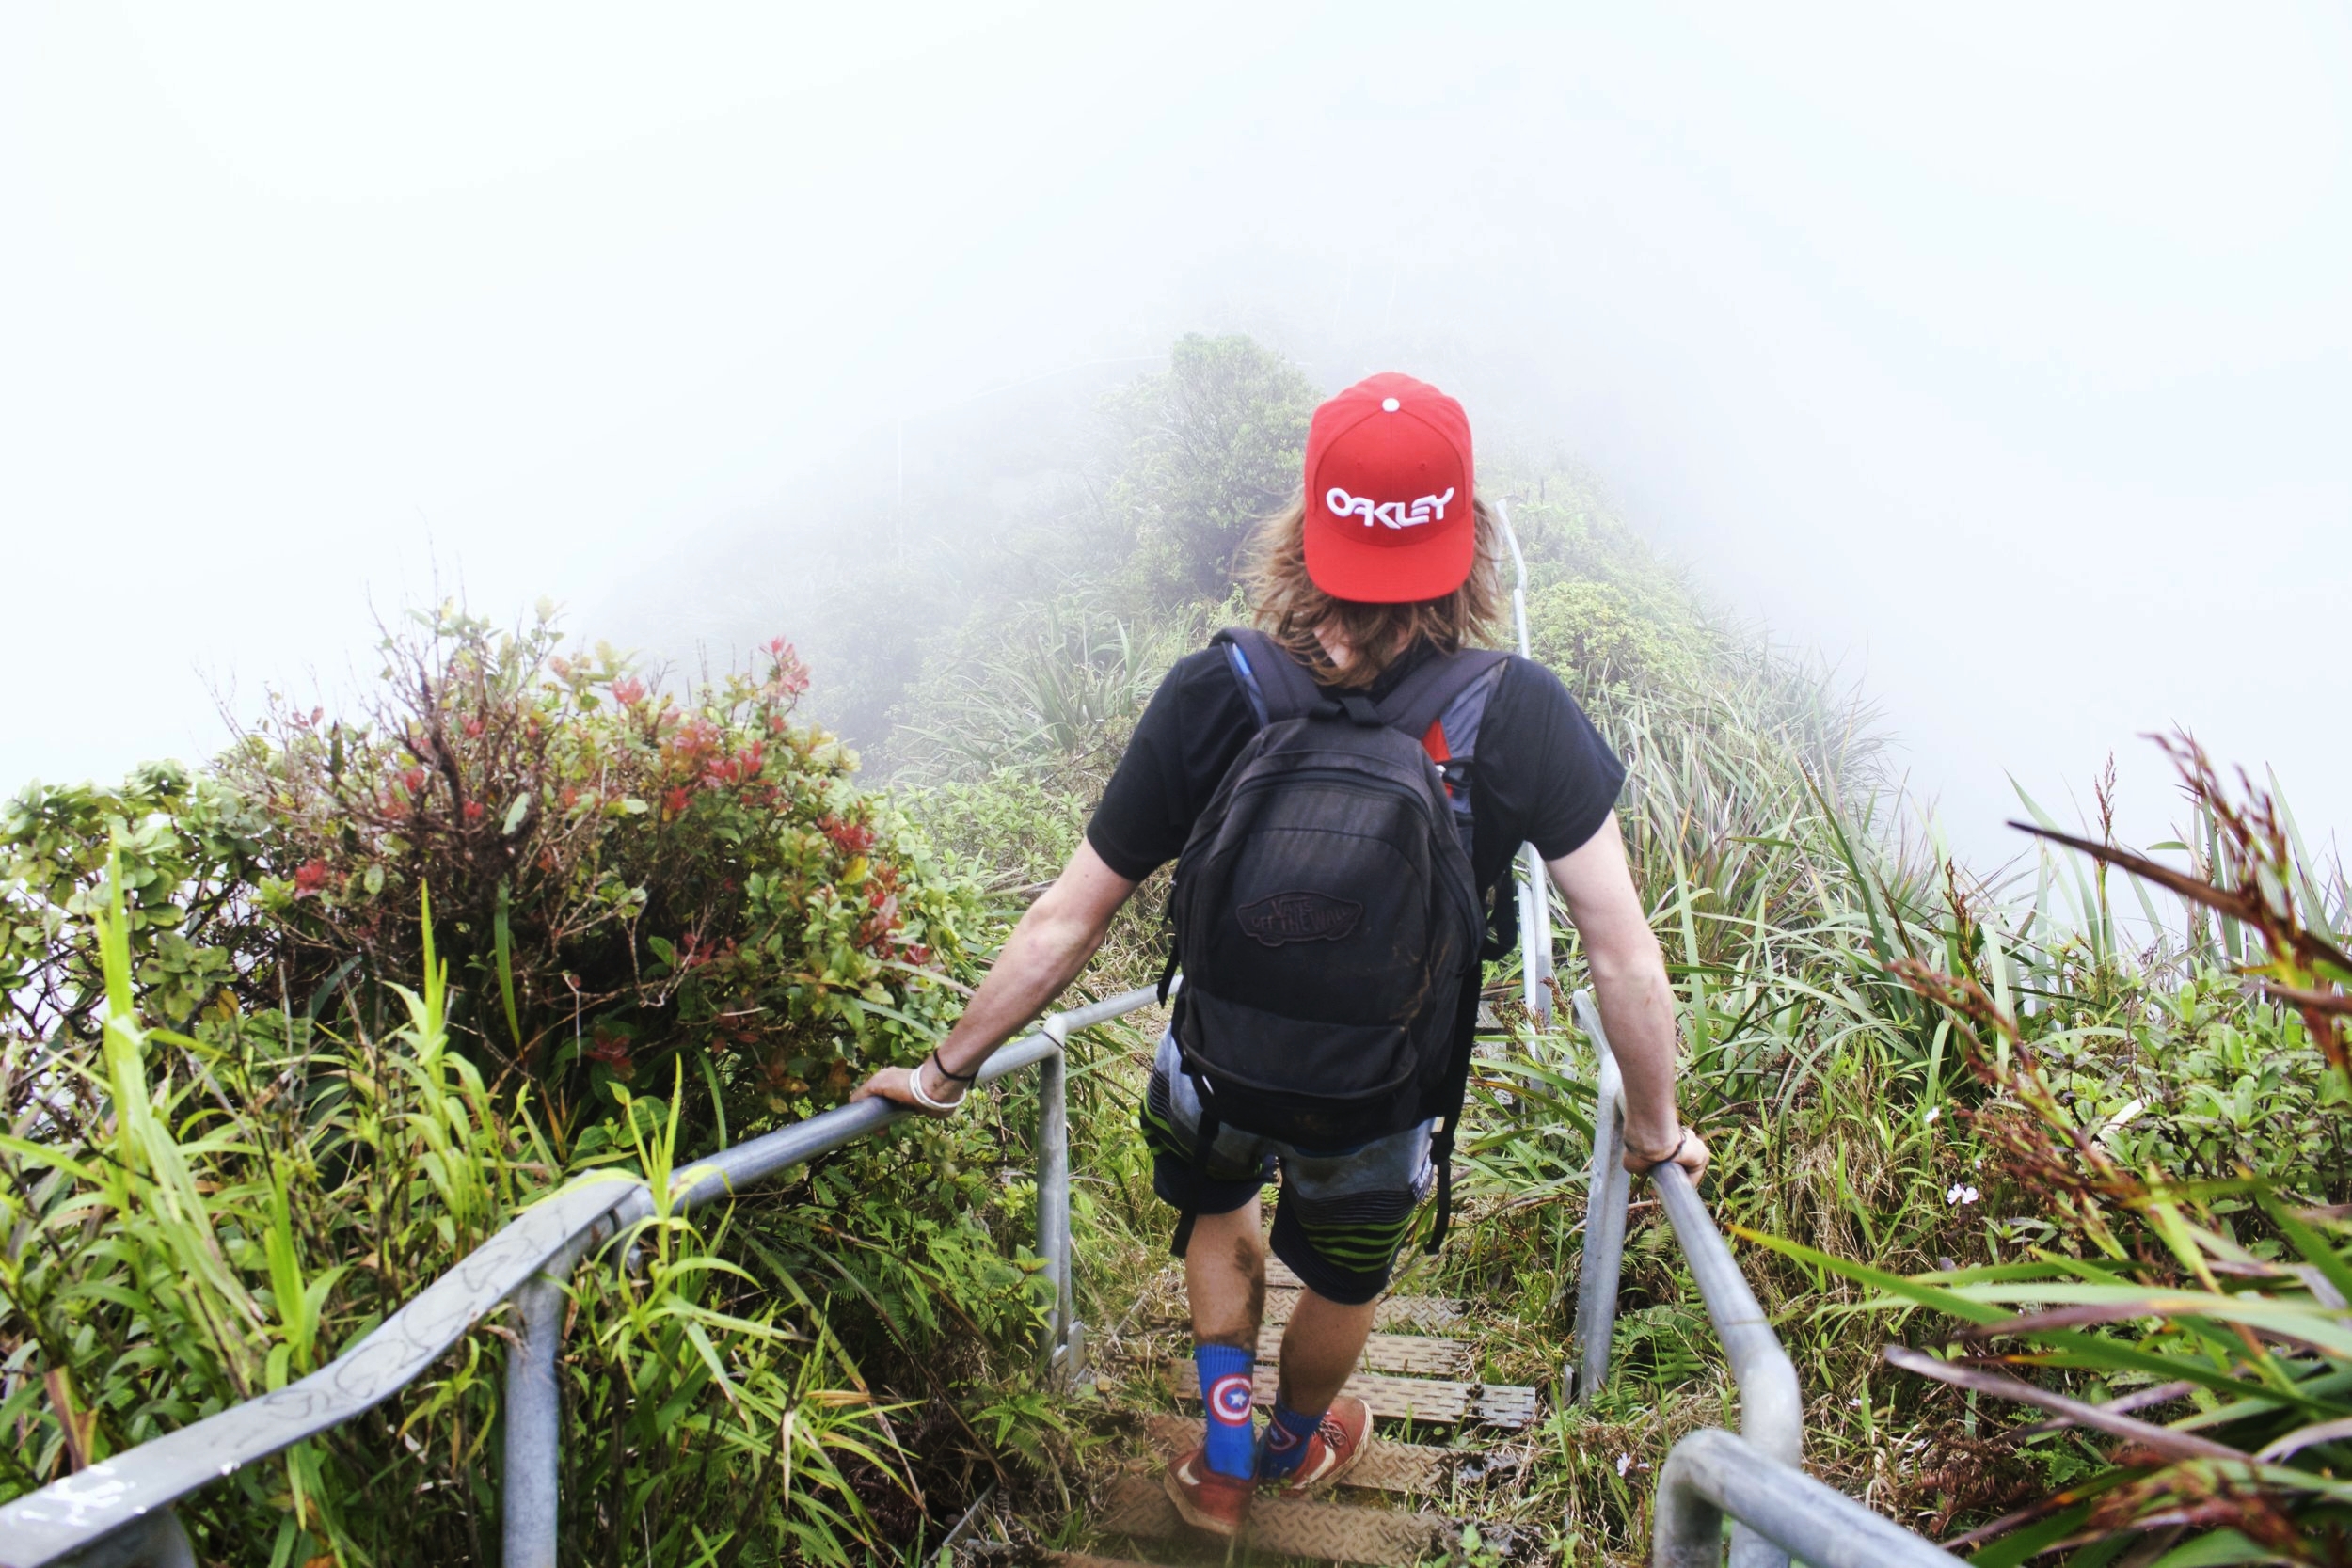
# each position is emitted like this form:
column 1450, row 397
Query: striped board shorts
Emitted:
column 1341, row 1216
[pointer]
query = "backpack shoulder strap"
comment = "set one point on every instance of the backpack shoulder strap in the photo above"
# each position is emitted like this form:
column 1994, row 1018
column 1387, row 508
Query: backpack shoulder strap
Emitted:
column 1277, row 685
column 1421, row 697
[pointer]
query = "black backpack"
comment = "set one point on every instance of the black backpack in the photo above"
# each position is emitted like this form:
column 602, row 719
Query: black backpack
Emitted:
column 1324, row 910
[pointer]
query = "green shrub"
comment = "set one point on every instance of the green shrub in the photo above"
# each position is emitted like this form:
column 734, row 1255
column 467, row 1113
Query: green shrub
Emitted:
column 626, row 876
column 657, row 912
column 1603, row 637
column 196, row 1219
column 187, row 849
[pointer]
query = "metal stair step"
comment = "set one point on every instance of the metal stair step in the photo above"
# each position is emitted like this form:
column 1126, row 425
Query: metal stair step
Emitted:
column 1440, row 1402
column 1413, row 1355
column 1426, row 1314
column 1387, row 1466
column 1336, row 1532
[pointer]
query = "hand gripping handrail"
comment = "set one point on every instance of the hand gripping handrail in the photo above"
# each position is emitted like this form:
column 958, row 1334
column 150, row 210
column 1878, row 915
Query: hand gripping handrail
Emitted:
column 117, row 1514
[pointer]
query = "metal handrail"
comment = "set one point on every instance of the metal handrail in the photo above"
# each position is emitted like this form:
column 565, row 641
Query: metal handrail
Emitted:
column 1534, row 888
column 117, row 1514
column 1711, row 1473
column 1607, row 1190
column 1772, row 1408
column 1756, row 1477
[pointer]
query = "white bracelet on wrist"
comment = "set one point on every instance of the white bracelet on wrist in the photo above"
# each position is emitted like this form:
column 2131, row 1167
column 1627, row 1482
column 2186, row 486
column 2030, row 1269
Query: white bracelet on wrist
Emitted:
column 914, row 1086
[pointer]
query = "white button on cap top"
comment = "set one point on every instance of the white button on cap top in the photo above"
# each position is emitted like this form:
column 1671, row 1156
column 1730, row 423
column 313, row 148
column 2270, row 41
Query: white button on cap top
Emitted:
column 1389, row 406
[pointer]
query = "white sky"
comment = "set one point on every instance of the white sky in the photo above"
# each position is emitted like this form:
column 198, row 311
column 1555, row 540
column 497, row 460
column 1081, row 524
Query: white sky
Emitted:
column 2005, row 351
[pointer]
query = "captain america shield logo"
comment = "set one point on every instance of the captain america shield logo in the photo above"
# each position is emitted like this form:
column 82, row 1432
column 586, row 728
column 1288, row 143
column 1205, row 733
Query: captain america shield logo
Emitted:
column 1228, row 1396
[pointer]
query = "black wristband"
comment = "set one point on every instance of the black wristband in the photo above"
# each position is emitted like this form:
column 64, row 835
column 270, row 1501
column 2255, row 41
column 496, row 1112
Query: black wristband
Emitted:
column 967, row 1077
column 1682, row 1135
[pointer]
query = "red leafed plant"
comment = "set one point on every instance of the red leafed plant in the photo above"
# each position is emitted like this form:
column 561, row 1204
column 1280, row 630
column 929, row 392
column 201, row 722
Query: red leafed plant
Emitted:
column 626, row 873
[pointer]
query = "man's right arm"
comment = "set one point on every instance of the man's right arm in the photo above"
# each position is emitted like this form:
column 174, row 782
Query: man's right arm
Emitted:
column 1046, row 950
column 1637, row 1003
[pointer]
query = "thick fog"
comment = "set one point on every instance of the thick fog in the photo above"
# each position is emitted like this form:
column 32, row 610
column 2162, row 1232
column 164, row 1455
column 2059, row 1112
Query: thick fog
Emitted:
column 2003, row 353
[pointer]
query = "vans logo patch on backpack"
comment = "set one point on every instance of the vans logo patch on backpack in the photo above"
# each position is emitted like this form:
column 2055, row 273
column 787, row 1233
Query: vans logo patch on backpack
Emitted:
column 1282, row 917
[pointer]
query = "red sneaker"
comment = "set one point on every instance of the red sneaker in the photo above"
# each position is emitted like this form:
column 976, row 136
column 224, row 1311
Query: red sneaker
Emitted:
column 1205, row 1499
column 1339, row 1442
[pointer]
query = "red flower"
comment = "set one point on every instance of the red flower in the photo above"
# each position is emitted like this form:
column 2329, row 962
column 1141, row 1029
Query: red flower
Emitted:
column 473, row 811
column 675, row 802
column 473, row 729
column 851, row 838
column 791, row 677
column 413, row 780
column 613, row 1051
column 629, row 691
column 311, row 879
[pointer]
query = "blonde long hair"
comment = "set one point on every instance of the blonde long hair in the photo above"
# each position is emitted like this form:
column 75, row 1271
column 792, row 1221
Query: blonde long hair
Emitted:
column 1291, row 609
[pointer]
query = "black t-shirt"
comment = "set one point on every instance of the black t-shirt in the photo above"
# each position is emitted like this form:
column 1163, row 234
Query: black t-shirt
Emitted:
column 1541, row 775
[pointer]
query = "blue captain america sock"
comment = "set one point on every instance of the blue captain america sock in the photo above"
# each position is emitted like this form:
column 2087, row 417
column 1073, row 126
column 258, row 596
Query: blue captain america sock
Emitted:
column 1286, row 1438
column 1225, row 1394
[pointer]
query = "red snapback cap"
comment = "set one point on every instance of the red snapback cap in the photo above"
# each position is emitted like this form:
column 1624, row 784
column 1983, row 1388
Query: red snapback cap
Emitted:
column 1388, row 485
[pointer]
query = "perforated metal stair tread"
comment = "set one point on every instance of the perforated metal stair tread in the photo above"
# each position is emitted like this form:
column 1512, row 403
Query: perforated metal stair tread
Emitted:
column 1439, row 1401
column 1335, row 1532
column 1425, row 1314
column 1387, row 1466
column 1413, row 1355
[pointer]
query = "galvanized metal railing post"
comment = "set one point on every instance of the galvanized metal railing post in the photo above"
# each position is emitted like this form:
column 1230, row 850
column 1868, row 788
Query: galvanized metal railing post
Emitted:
column 1052, row 1195
column 1607, row 1190
column 528, row 1506
column 1711, row 1473
column 155, row 1540
column 168, row 1543
column 1686, row 1521
column 530, row 1468
column 1535, row 934
column 1518, row 574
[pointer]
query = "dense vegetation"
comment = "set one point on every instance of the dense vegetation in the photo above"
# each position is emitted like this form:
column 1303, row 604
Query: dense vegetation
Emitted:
column 661, row 923
column 249, row 1116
